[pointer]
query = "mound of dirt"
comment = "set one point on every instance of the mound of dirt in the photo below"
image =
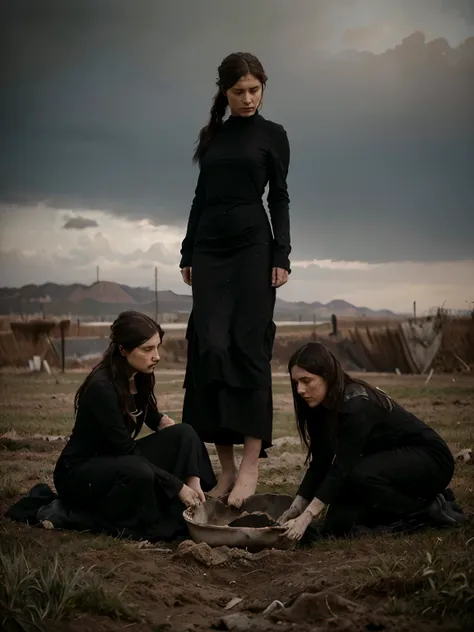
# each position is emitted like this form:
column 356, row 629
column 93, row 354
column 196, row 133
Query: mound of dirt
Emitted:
column 209, row 556
column 256, row 520
column 324, row 611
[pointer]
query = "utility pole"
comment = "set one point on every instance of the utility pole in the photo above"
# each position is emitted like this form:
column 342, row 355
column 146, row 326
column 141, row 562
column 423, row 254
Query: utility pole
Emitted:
column 156, row 293
column 97, row 274
column 414, row 311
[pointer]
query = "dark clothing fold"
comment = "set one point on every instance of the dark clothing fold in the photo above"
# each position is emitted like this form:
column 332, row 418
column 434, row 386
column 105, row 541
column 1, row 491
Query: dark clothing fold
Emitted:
column 232, row 247
column 374, row 461
column 138, row 492
column 107, row 481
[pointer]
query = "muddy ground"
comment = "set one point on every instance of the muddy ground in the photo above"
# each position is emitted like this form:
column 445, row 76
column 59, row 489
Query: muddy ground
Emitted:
column 77, row 582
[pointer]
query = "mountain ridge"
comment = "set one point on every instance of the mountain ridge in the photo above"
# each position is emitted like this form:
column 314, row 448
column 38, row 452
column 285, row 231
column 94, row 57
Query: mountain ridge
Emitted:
column 107, row 297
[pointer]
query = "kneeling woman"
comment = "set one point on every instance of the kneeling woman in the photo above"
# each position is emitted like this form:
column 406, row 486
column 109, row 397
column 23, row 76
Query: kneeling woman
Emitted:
column 138, row 487
column 373, row 462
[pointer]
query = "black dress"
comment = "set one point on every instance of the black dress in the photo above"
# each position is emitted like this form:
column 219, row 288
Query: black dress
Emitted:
column 374, row 466
column 123, row 485
column 231, row 248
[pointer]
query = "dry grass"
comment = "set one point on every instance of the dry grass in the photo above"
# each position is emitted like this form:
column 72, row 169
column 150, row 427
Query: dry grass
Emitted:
column 35, row 589
column 456, row 351
column 424, row 581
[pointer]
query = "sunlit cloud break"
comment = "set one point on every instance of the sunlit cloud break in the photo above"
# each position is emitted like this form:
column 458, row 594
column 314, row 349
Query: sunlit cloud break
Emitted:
column 335, row 265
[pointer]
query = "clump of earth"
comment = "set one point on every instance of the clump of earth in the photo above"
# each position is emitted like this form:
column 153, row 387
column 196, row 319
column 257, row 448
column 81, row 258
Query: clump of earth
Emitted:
column 255, row 519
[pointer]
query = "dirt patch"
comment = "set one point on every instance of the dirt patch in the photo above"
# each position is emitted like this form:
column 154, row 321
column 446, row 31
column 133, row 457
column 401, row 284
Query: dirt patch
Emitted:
column 218, row 556
column 370, row 584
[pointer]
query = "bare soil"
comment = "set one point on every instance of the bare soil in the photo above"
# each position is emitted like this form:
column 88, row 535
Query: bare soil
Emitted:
column 423, row 582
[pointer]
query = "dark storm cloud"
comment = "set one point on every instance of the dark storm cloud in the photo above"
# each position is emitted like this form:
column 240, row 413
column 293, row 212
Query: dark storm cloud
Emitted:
column 104, row 100
column 464, row 8
column 79, row 223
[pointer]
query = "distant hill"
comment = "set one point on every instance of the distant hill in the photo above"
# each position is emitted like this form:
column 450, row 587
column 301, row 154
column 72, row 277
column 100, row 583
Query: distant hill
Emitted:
column 105, row 299
column 301, row 310
column 102, row 292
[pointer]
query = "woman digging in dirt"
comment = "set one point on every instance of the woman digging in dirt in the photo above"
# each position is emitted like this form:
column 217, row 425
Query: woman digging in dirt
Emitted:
column 139, row 486
column 372, row 462
column 234, row 264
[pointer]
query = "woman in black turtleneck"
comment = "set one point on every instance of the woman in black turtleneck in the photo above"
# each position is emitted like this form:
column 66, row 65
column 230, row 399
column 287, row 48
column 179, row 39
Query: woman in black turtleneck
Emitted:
column 234, row 260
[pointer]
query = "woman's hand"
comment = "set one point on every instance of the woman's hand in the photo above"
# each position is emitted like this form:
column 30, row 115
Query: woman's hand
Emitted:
column 296, row 508
column 279, row 277
column 292, row 512
column 187, row 274
column 295, row 529
column 166, row 422
column 189, row 497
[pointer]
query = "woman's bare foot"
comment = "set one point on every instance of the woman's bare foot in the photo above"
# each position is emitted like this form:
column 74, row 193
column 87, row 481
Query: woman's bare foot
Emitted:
column 245, row 485
column 195, row 483
column 225, row 484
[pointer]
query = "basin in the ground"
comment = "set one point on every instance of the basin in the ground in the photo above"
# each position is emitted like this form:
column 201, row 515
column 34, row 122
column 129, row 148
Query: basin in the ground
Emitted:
column 209, row 523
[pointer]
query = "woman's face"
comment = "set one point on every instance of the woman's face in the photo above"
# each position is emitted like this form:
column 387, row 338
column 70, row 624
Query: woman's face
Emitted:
column 245, row 96
column 312, row 388
column 145, row 357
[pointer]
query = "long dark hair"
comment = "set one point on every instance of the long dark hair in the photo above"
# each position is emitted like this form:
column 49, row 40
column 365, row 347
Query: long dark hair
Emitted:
column 232, row 68
column 129, row 330
column 317, row 359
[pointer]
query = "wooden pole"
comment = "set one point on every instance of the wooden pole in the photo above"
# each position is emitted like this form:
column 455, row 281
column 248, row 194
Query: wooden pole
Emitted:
column 414, row 311
column 156, row 295
column 63, row 350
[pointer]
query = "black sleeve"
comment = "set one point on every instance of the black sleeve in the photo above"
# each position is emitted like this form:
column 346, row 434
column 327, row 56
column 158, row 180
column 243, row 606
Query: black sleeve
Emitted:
column 187, row 246
column 102, row 399
column 354, row 424
column 278, row 199
column 114, row 433
column 322, row 455
column 153, row 417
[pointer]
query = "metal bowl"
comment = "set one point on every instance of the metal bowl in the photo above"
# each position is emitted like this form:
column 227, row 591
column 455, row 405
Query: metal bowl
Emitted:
column 209, row 522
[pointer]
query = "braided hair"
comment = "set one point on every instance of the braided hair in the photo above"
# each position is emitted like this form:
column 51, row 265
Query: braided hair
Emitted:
column 231, row 70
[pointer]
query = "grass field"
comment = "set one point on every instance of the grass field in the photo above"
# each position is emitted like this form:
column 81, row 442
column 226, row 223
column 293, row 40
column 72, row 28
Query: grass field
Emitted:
column 75, row 582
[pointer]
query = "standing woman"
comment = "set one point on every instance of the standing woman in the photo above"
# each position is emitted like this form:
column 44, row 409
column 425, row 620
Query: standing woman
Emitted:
column 234, row 262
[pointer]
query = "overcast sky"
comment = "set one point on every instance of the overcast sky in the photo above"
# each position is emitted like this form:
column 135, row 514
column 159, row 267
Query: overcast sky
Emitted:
column 102, row 101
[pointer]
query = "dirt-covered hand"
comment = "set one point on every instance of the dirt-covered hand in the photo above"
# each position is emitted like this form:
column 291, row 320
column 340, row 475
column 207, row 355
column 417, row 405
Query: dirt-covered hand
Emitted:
column 189, row 497
column 295, row 529
column 292, row 512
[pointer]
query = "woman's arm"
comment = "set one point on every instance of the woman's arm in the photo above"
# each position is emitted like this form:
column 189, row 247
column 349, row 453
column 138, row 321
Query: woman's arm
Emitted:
column 187, row 246
column 353, row 427
column 278, row 199
column 296, row 528
column 153, row 417
column 102, row 400
column 116, row 439
column 296, row 509
column 322, row 455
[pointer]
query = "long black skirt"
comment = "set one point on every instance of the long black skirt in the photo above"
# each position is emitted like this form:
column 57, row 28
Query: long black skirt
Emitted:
column 123, row 493
column 230, row 339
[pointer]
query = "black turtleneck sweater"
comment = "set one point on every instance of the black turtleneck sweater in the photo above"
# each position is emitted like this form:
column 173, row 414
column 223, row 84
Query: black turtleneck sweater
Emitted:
column 227, row 212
